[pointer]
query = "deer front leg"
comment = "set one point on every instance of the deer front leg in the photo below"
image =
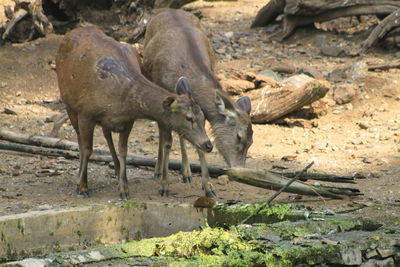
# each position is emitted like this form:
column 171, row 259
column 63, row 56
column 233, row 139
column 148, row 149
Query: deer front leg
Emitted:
column 209, row 192
column 165, row 147
column 185, row 167
column 108, row 137
column 123, row 151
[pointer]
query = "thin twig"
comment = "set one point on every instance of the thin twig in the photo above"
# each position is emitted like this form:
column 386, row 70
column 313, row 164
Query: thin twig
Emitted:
column 277, row 193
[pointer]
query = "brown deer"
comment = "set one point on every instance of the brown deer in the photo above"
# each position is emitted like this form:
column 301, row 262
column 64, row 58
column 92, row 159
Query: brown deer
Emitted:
column 175, row 45
column 101, row 83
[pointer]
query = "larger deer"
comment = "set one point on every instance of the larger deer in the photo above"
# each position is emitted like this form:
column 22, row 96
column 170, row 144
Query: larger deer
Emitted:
column 175, row 45
column 101, row 83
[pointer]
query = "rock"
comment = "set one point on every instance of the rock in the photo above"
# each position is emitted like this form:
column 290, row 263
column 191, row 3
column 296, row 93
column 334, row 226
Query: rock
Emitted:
column 272, row 28
column 320, row 41
column 344, row 94
column 371, row 253
column 337, row 75
column 379, row 263
column 331, row 51
column 11, row 111
column 363, row 125
column 386, row 252
column 45, row 207
column 271, row 74
column 223, row 180
column 311, row 72
column 298, row 81
column 228, row 34
column 51, row 118
column 367, row 160
column 351, row 256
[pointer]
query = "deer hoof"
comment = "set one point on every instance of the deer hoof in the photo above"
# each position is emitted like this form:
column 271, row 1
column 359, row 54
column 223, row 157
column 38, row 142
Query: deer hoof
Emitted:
column 163, row 192
column 124, row 195
column 187, row 179
column 211, row 194
column 82, row 193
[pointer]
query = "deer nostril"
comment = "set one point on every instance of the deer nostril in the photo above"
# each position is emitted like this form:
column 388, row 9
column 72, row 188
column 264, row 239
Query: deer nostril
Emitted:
column 209, row 147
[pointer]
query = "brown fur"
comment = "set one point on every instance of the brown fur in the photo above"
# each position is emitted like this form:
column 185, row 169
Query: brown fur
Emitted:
column 176, row 45
column 101, row 83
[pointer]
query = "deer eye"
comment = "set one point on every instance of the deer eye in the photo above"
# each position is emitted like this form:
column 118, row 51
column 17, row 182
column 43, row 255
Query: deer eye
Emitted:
column 239, row 138
column 189, row 119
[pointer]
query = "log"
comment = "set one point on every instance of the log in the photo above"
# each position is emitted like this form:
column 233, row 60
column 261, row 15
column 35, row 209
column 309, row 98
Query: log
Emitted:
column 49, row 146
column 297, row 13
column 268, row 180
column 101, row 155
column 271, row 104
column 384, row 67
column 28, row 21
column 253, row 177
column 390, row 22
column 319, row 176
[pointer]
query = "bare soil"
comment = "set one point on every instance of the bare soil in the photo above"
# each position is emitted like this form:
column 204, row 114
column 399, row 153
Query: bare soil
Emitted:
column 338, row 145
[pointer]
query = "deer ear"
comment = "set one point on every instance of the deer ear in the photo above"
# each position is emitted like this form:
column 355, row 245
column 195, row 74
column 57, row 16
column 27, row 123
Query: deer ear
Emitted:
column 223, row 105
column 183, row 86
column 170, row 103
column 244, row 103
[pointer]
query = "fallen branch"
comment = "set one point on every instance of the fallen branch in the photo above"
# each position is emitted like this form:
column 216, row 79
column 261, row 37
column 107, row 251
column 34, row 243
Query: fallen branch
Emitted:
column 289, row 183
column 319, row 176
column 276, row 194
column 103, row 157
column 57, row 147
column 384, row 67
column 253, row 177
column 268, row 180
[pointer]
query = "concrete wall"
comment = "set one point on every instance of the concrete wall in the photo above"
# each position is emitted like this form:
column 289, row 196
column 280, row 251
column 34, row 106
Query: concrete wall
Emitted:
column 38, row 232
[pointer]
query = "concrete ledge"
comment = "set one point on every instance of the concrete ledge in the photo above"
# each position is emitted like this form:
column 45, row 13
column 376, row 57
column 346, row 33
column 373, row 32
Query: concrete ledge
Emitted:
column 40, row 232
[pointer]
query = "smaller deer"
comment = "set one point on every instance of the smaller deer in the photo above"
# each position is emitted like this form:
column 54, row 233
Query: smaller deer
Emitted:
column 101, row 83
column 175, row 45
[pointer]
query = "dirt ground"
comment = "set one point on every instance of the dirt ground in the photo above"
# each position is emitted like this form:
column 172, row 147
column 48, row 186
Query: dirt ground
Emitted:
column 338, row 145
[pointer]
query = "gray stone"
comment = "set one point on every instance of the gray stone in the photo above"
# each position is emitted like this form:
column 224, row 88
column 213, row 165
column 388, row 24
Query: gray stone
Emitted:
column 30, row 263
column 320, row 41
column 351, row 256
column 331, row 51
column 311, row 72
column 270, row 73
column 371, row 253
column 386, row 252
column 344, row 93
column 298, row 81
column 389, row 262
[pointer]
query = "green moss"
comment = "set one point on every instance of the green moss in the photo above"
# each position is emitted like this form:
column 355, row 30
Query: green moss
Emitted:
column 51, row 233
column 226, row 215
column 20, row 226
column 131, row 203
column 79, row 233
column 59, row 223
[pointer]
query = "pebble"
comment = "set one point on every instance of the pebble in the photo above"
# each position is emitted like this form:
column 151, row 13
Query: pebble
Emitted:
column 223, row 180
column 363, row 125
column 11, row 111
column 367, row 160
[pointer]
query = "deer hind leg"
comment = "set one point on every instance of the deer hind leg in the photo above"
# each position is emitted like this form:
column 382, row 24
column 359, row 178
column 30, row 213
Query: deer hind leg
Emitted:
column 110, row 143
column 164, row 148
column 85, row 140
column 206, row 185
column 123, row 151
column 185, row 167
